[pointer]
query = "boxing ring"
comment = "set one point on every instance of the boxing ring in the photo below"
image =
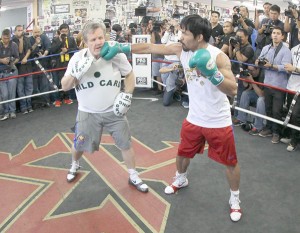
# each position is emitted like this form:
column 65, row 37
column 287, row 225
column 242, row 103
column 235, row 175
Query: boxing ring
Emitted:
column 35, row 157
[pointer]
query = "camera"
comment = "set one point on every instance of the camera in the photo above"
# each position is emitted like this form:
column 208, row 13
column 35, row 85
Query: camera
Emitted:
column 269, row 28
column 244, row 73
column 107, row 24
column 289, row 12
column 11, row 63
column 157, row 26
column 262, row 61
column 234, row 40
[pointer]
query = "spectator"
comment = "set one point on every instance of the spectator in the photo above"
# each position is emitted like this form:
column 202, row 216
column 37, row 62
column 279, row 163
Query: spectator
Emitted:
column 222, row 42
column 62, row 45
column 264, row 32
column 217, row 29
column 240, row 50
column 253, row 96
column 9, row 56
column 110, row 34
column 25, row 83
column 153, row 8
column 291, row 26
column 294, row 85
column 174, row 82
column 40, row 47
column 274, row 56
column 119, row 33
column 259, row 18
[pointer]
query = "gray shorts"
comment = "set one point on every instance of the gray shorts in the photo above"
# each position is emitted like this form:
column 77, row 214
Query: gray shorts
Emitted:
column 89, row 128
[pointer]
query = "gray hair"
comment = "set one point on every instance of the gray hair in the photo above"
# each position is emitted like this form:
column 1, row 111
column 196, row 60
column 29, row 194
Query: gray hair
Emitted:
column 92, row 27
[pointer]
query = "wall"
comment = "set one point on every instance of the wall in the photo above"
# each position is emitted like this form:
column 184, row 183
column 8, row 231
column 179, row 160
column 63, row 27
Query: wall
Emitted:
column 9, row 19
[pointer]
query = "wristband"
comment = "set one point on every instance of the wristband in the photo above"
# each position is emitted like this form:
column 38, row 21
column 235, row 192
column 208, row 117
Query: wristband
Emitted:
column 217, row 78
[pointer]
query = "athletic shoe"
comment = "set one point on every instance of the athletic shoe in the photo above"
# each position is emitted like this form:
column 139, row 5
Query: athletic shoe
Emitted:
column 180, row 181
column 177, row 96
column 265, row 133
column 286, row 140
column 73, row 171
column 4, row 117
column 136, row 181
column 68, row 101
column 13, row 115
column 30, row 110
column 254, row 131
column 185, row 104
column 57, row 103
column 237, row 122
column 25, row 112
column 235, row 209
column 275, row 138
column 291, row 147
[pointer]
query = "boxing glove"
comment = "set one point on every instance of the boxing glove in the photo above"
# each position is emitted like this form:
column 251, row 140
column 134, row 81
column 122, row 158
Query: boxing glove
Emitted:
column 122, row 103
column 112, row 48
column 203, row 61
column 81, row 67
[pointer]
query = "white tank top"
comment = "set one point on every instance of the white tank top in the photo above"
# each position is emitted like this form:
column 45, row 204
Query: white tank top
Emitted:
column 100, row 85
column 208, row 106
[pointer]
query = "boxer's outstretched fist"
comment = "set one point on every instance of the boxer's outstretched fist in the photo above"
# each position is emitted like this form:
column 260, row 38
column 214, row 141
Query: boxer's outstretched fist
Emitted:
column 203, row 61
column 112, row 48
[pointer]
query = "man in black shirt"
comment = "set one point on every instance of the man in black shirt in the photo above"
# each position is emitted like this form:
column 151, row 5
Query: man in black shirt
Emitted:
column 217, row 29
column 222, row 42
column 244, row 22
column 291, row 25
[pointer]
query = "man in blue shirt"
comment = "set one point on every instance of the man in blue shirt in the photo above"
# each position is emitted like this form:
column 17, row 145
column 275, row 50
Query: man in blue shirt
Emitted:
column 274, row 56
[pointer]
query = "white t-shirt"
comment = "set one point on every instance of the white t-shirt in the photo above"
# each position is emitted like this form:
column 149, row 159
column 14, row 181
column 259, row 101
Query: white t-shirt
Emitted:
column 101, row 84
column 208, row 106
column 294, row 80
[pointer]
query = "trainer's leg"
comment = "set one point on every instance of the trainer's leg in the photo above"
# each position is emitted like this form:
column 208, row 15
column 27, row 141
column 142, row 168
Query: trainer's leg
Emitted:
column 233, row 177
column 129, row 158
column 76, row 155
column 134, row 179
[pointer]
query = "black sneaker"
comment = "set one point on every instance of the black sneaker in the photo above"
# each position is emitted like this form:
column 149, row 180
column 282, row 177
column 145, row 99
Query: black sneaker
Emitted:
column 291, row 147
column 265, row 133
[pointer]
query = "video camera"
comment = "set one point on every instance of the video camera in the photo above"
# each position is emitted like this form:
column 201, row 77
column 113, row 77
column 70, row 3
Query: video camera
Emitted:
column 234, row 40
column 172, row 29
column 262, row 61
column 289, row 12
column 236, row 17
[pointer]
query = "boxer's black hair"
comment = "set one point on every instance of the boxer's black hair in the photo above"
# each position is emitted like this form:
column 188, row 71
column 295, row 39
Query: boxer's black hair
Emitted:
column 197, row 25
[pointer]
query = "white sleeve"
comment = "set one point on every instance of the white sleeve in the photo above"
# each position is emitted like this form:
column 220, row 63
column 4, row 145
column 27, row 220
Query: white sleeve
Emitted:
column 71, row 63
column 121, row 61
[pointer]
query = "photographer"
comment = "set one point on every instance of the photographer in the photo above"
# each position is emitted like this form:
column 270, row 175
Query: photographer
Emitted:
column 25, row 83
column 241, row 21
column 174, row 82
column 265, row 31
column 240, row 50
column 252, row 96
column 110, row 35
column 274, row 56
column 119, row 33
column 153, row 8
column 222, row 42
column 294, row 85
column 291, row 25
column 40, row 47
column 259, row 18
column 9, row 56
column 62, row 45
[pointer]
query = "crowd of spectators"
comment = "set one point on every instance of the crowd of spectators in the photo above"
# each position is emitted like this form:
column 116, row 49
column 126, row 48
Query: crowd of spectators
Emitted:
column 258, row 50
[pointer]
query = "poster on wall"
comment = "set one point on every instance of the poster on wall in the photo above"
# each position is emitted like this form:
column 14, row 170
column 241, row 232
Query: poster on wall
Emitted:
column 141, row 63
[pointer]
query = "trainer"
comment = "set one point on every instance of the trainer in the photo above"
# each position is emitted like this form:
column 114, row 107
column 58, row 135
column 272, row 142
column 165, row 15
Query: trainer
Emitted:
column 100, row 103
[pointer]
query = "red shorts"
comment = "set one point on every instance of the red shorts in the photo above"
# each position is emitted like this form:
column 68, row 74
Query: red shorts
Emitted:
column 220, row 140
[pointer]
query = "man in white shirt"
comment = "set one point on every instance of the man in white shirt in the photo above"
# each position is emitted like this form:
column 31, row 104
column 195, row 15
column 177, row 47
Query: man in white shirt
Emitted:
column 100, row 103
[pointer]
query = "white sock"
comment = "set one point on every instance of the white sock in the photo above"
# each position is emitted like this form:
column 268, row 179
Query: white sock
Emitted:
column 235, row 194
column 75, row 164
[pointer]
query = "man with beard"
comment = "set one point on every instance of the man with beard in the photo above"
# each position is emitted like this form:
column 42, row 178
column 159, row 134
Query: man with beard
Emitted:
column 209, row 79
